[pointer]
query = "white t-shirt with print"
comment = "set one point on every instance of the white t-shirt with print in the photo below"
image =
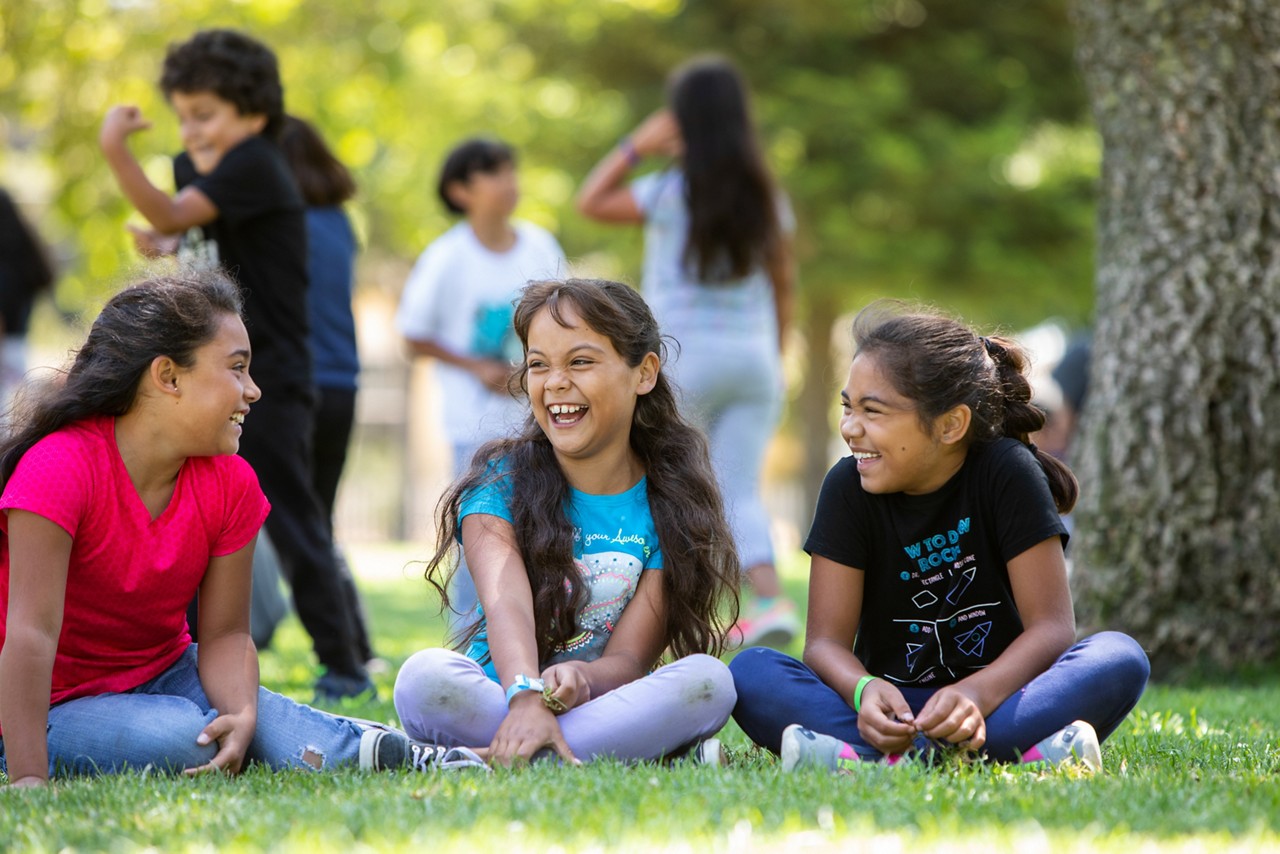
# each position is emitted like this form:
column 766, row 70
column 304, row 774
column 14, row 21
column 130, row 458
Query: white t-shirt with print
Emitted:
column 460, row 295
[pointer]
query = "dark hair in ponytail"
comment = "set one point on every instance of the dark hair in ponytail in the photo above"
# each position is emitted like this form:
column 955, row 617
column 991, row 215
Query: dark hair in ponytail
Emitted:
column 940, row 363
column 168, row 315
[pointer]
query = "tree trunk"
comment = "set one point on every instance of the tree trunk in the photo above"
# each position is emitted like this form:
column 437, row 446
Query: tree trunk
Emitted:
column 1179, row 520
column 823, row 378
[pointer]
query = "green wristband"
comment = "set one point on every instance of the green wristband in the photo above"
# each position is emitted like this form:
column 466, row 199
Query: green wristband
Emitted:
column 857, row 692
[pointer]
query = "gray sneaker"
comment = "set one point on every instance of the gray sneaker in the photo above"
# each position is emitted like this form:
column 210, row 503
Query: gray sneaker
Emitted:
column 388, row 750
column 1076, row 742
column 804, row 748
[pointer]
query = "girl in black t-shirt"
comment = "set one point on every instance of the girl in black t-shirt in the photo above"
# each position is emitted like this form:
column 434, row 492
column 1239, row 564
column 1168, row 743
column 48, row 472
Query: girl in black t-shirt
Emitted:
column 940, row 615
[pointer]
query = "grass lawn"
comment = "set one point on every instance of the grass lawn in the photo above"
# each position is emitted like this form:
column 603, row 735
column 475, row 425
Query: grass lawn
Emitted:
column 1193, row 769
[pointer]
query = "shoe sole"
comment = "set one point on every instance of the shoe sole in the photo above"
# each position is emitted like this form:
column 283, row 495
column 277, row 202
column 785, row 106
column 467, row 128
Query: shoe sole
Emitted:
column 790, row 748
column 1091, row 754
column 369, row 749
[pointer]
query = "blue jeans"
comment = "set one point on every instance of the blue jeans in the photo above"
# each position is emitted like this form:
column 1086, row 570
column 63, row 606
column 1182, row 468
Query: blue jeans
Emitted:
column 1098, row 680
column 155, row 726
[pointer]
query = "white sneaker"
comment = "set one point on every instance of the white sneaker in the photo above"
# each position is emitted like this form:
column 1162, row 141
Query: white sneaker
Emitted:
column 1076, row 742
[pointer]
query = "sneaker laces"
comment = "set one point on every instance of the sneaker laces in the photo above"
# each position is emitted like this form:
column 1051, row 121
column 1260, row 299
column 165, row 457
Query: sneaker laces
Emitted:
column 424, row 757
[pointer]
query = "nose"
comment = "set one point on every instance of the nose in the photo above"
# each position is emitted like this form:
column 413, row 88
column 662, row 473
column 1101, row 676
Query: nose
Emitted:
column 851, row 426
column 251, row 391
column 557, row 378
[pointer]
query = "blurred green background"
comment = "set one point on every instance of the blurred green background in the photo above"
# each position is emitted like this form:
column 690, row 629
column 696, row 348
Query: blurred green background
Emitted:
column 938, row 150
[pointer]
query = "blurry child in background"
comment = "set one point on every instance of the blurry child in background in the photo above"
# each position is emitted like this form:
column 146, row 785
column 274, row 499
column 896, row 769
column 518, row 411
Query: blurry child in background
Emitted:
column 719, row 273
column 457, row 306
column 237, row 206
column 325, row 184
column 25, row 271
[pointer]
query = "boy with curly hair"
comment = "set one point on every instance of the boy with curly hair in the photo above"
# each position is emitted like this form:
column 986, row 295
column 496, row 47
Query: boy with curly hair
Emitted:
column 237, row 206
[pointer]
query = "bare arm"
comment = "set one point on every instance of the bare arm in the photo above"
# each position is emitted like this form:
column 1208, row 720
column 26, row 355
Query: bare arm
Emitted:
column 39, row 553
column 188, row 208
column 782, row 273
column 502, row 585
column 228, row 661
column 494, row 373
column 835, row 611
column 604, row 195
column 632, row 650
column 1043, row 598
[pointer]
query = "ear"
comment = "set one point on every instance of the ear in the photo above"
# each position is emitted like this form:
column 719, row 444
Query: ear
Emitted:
column 257, row 121
column 953, row 425
column 162, row 376
column 649, row 367
column 458, row 193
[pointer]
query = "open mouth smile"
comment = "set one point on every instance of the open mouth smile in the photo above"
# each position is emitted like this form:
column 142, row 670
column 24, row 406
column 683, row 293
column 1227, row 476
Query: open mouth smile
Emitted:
column 566, row 413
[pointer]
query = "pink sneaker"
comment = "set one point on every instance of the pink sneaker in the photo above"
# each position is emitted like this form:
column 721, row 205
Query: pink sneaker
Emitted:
column 766, row 622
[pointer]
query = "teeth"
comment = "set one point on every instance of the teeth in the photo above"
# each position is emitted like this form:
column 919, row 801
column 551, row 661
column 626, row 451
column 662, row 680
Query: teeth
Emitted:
column 565, row 408
column 238, row 417
column 864, row 455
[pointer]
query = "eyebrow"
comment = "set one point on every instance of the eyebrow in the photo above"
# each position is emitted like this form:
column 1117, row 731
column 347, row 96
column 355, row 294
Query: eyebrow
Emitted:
column 869, row 398
column 574, row 349
column 239, row 354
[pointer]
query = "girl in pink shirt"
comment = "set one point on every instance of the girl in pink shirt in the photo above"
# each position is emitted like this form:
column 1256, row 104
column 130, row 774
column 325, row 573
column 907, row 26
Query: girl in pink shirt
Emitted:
column 122, row 498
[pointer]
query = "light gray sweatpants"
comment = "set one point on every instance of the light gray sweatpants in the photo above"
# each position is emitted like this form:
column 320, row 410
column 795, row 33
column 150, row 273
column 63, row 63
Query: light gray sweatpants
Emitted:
column 444, row 697
column 731, row 386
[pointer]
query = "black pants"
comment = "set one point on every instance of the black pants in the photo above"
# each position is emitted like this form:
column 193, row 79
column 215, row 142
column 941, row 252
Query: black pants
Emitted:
column 277, row 443
column 335, row 416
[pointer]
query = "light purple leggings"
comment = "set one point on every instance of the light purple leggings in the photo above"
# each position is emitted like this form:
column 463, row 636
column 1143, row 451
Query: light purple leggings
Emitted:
column 444, row 697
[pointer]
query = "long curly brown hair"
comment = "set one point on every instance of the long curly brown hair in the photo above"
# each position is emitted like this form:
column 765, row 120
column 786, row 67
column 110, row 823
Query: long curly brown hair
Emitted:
column 700, row 564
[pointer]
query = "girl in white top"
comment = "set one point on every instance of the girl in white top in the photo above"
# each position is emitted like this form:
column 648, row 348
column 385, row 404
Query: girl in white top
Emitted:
column 718, row 273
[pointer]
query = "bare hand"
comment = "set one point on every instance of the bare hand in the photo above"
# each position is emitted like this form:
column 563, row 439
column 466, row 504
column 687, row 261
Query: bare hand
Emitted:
column 952, row 715
column 494, row 373
column 886, row 721
column 232, row 734
column 658, row 135
column 153, row 244
column 528, row 728
column 121, row 121
column 566, row 685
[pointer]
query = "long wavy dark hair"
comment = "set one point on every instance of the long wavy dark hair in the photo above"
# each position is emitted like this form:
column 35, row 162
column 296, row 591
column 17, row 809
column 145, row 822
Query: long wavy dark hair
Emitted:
column 939, row 363
column 733, row 213
column 172, row 315
column 700, row 564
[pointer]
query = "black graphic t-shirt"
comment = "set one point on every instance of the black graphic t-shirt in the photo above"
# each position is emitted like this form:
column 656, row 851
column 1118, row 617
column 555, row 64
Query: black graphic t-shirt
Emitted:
column 260, row 239
column 937, row 603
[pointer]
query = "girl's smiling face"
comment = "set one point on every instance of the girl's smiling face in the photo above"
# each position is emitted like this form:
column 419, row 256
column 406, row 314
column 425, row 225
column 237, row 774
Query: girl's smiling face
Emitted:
column 582, row 391
column 216, row 391
column 894, row 451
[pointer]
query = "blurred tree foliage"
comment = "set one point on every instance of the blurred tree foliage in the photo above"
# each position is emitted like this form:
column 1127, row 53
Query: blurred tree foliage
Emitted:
column 934, row 149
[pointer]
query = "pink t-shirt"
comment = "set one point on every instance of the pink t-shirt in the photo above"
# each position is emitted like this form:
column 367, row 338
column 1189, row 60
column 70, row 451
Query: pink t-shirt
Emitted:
column 130, row 578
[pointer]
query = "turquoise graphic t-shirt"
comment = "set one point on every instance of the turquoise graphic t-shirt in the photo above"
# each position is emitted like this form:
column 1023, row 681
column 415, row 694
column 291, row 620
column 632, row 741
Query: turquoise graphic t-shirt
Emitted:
column 613, row 542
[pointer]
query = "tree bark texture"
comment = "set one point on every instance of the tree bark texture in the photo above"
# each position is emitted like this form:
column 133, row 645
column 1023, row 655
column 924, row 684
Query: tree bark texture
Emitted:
column 1178, row 534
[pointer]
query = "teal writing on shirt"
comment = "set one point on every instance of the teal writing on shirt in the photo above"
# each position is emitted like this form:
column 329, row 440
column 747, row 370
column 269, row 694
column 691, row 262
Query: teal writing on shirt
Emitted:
column 939, row 549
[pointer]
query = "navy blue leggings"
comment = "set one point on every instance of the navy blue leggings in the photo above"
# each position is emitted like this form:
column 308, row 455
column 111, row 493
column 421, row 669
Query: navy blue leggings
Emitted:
column 1098, row 680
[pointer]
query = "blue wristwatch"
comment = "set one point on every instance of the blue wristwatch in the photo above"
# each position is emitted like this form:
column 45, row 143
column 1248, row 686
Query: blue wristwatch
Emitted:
column 524, row 683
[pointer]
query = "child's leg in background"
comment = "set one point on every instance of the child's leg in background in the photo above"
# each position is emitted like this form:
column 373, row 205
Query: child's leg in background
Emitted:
column 1098, row 680
column 445, row 697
